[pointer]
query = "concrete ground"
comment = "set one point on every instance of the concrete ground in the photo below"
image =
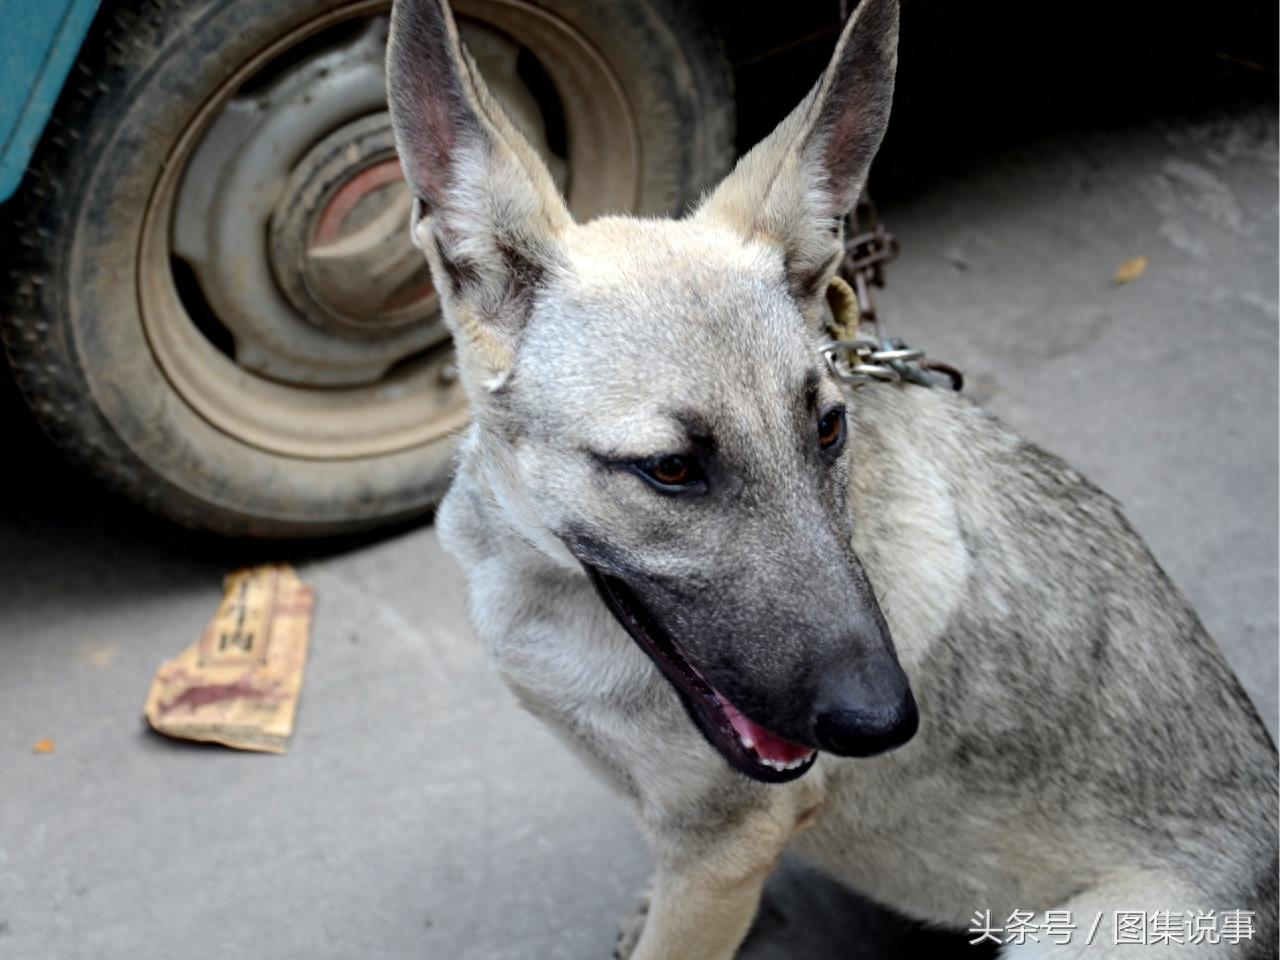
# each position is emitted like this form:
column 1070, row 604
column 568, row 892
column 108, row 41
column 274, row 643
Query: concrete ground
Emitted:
column 418, row 812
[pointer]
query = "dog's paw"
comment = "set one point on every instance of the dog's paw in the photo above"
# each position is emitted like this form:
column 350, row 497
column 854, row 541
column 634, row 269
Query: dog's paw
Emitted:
column 631, row 927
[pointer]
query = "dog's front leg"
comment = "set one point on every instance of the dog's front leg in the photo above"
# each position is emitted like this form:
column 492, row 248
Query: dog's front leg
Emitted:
column 709, row 877
column 705, row 892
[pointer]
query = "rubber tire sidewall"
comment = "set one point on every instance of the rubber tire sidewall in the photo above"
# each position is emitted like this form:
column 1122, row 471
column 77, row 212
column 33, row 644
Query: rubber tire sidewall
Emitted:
column 74, row 330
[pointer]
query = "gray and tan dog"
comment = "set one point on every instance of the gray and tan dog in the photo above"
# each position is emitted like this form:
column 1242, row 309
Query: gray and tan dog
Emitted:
column 714, row 572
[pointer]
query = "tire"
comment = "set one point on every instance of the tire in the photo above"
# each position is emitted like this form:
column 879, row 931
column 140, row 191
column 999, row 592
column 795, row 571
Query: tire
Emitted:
column 83, row 348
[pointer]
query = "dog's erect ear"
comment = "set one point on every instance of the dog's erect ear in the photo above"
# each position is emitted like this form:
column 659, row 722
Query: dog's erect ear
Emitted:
column 487, row 213
column 795, row 187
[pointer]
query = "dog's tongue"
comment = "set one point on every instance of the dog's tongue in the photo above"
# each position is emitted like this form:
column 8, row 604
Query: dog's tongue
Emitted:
column 768, row 745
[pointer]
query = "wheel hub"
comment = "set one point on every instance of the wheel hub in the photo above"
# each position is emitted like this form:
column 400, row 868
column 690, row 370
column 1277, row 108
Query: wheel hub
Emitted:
column 245, row 228
column 279, row 289
column 339, row 246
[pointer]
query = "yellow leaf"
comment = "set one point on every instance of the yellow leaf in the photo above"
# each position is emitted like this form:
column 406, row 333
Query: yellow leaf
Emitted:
column 1131, row 270
column 43, row 746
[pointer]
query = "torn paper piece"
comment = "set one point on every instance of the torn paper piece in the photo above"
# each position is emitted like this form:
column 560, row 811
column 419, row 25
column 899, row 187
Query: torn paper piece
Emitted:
column 239, row 684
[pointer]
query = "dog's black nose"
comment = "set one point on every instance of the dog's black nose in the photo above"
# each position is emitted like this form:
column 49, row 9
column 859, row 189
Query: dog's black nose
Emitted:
column 861, row 726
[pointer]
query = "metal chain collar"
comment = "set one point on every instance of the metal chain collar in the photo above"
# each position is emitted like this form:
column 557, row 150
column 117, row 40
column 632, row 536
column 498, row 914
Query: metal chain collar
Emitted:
column 854, row 358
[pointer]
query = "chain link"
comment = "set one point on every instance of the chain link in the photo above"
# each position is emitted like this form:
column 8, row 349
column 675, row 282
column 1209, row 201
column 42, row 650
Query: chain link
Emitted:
column 856, row 359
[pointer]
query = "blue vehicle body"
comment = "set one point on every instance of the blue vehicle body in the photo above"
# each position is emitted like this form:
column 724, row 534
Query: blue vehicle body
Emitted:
column 38, row 45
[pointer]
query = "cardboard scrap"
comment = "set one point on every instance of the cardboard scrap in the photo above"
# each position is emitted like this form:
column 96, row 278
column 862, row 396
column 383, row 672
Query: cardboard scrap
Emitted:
column 239, row 684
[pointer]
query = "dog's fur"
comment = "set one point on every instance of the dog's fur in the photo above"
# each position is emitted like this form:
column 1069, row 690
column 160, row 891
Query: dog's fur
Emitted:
column 1082, row 744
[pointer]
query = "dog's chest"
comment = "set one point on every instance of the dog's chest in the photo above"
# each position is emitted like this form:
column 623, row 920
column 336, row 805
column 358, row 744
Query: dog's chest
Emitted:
column 904, row 832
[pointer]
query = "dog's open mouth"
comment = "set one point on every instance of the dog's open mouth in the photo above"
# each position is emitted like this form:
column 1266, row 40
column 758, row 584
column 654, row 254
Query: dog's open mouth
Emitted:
column 749, row 747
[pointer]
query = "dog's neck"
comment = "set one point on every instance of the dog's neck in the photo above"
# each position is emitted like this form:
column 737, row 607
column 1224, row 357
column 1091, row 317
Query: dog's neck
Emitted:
column 908, row 527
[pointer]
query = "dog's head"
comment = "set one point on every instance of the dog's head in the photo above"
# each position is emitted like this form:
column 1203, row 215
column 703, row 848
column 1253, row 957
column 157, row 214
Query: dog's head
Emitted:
column 648, row 398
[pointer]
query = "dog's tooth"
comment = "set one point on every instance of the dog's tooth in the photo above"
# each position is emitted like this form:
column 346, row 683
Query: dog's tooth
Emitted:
column 748, row 743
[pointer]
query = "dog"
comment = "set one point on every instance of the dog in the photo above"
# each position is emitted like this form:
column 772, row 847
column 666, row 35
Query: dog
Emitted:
column 871, row 625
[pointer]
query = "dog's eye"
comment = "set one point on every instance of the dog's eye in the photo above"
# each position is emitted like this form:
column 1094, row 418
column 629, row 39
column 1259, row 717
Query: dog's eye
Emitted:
column 831, row 430
column 672, row 473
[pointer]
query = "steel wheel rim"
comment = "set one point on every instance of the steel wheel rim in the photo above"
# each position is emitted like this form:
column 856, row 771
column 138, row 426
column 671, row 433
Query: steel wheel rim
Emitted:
column 419, row 401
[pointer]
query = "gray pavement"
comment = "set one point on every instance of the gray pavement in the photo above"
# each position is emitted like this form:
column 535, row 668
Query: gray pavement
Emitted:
column 418, row 812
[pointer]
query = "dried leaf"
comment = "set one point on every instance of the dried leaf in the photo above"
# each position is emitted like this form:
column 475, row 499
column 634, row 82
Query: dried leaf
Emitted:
column 1131, row 270
column 43, row 746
